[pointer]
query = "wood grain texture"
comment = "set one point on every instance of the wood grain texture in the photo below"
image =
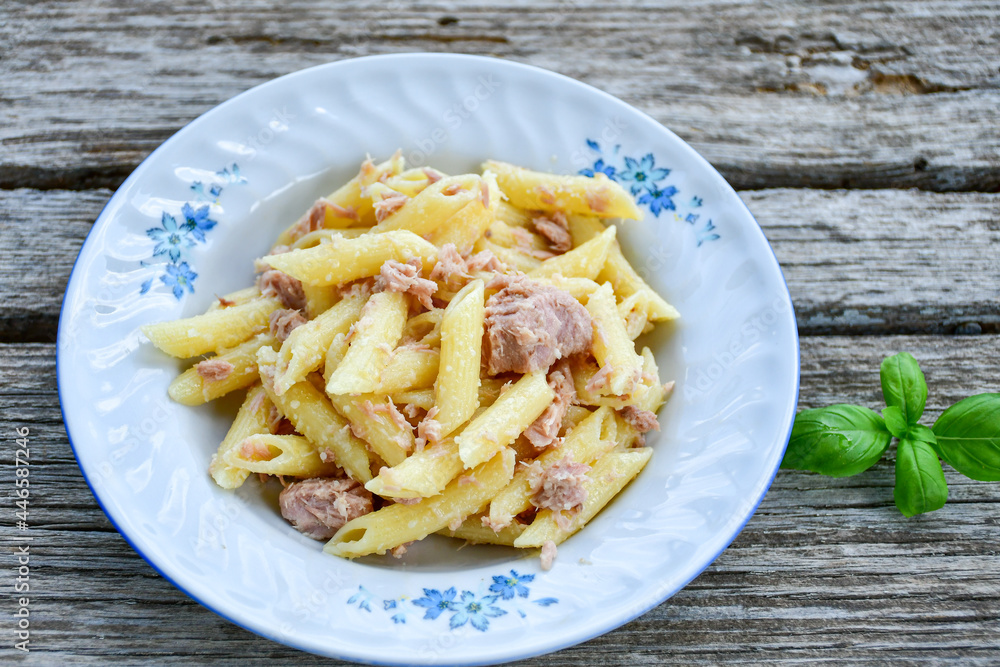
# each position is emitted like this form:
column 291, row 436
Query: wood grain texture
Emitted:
column 826, row 94
column 876, row 261
column 827, row 569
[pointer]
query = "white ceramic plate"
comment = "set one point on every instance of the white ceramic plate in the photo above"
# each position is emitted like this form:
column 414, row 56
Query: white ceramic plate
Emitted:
column 186, row 225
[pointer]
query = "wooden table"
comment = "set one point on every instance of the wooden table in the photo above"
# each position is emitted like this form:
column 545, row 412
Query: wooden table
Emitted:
column 862, row 134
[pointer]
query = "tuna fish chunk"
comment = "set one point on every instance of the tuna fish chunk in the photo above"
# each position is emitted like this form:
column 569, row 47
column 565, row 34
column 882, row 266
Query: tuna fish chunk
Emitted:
column 318, row 507
column 529, row 326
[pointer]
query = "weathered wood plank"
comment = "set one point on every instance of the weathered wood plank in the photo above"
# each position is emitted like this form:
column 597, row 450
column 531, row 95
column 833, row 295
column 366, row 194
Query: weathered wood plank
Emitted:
column 847, row 94
column 886, row 261
column 41, row 234
column 883, row 261
column 826, row 570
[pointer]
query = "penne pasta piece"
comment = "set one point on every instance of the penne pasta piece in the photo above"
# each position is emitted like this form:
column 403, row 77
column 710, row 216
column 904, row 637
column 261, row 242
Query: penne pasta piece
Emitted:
column 605, row 480
column 338, row 348
column 313, row 239
column 489, row 390
column 466, row 226
column 408, row 369
column 250, row 420
column 518, row 238
column 473, row 531
column 428, row 210
column 306, row 347
column 314, row 417
column 535, row 190
column 350, row 207
column 634, row 312
column 583, row 261
column 512, row 215
column 320, row 299
column 457, row 386
column 612, row 346
column 574, row 415
column 234, row 298
column 375, row 336
column 398, row 524
column 236, row 368
column 375, row 420
column 501, row 423
column 214, row 331
column 619, row 272
column 652, row 399
column 583, row 444
column 423, row 474
column 343, row 260
column 513, row 258
column 420, row 326
column 291, row 455
column 419, row 398
column 413, row 181
column 579, row 288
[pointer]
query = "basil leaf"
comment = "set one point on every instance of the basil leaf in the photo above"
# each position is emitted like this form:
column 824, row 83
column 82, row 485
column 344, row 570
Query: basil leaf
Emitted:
column 968, row 437
column 840, row 441
column 895, row 421
column 920, row 484
column 903, row 385
column 921, row 433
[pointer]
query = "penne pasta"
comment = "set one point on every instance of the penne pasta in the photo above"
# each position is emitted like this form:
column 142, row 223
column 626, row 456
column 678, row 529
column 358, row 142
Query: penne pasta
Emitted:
column 466, row 226
column 215, row 377
column 375, row 420
column 349, row 206
column 535, row 190
column 501, row 423
column 584, row 261
column 290, row 455
column 509, row 256
column 375, row 335
column 585, row 443
column 344, row 260
column 250, row 420
column 408, row 368
column 489, row 390
column 606, row 478
column 319, row 299
column 612, row 346
column 434, row 205
column 423, row 474
column 234, row 298
column 457, row 386
column 306, row 347
column 313, row 239
column 214, row 331
column 398, row 524
column 473, row 531
column 388, row 381
column 619, row 272
column 314, row 417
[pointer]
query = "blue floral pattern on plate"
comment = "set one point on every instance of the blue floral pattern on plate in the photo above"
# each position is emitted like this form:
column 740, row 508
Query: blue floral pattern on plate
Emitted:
column 648, row 184
column 465, row 608
column 174, row 237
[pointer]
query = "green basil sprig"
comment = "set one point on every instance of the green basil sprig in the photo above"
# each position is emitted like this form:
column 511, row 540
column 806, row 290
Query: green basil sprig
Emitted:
column 844, row 440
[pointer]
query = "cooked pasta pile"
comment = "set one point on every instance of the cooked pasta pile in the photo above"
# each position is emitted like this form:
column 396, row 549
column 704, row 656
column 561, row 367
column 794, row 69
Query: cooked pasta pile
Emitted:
column 424, row 353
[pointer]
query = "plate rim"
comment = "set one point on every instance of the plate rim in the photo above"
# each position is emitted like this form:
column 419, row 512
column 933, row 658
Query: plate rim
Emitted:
column 327, row 650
